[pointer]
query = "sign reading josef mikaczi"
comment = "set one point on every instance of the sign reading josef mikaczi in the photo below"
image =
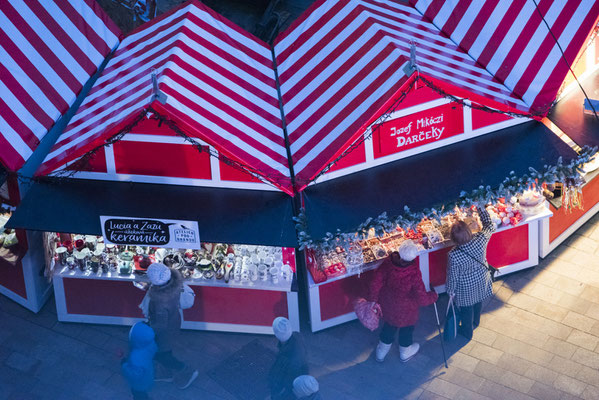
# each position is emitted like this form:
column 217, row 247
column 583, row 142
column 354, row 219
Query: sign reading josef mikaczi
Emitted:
column 150, row 232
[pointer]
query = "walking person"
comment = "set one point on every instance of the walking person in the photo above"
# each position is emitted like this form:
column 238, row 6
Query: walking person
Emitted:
column 165, row 318
column 469, row 281
column 305, row 387
column 290, row 362
column 397, row 286
column 138, row 367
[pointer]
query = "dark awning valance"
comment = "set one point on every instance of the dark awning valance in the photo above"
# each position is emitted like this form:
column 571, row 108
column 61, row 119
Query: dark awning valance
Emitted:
column 431, row 178
column 223, row 215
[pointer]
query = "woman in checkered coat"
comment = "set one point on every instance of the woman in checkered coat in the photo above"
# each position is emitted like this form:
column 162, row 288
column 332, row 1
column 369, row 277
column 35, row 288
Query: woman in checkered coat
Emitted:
column 468, row 278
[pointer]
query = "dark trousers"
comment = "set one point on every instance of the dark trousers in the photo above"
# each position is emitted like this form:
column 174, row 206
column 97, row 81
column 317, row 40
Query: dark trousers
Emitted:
column 405, row 334
column 168, row 360
column 469, row 319
column 139, row 395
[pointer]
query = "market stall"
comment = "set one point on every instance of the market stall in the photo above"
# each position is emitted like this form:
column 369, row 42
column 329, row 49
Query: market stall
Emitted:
column 421, row 126
column 582, row 127
column 49, row 52
column 187, row 134
column 513, row 247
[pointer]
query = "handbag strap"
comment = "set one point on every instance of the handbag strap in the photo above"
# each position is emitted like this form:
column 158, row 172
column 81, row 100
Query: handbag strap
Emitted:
column 472, row 257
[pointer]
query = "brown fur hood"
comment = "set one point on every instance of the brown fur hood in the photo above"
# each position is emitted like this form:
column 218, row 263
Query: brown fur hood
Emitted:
column 171, row 289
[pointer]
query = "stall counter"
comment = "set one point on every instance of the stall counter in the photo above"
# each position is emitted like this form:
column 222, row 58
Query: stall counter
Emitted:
column 234, row 307
column 511, row 249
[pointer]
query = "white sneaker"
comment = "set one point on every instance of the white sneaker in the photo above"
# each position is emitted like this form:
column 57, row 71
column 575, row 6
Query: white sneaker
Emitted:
column 406, row 353
column 382, row 350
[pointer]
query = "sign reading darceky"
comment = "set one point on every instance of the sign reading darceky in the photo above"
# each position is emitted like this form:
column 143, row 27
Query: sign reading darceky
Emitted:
column 150, row 232
column 418, row 129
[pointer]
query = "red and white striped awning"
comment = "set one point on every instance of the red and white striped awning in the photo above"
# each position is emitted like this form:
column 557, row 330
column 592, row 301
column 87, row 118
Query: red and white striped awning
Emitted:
column 343, row 62
column 219, row 83
column 511, row 41
column 48, row 51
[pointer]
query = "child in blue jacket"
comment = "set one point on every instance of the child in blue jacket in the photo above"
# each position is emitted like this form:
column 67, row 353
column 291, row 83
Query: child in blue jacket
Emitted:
column 138, row 368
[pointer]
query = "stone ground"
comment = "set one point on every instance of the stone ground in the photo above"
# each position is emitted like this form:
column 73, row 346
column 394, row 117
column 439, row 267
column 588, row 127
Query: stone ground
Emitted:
column 538, row 339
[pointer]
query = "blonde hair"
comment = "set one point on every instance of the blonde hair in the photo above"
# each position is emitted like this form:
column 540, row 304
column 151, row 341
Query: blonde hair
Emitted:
column 461, row 233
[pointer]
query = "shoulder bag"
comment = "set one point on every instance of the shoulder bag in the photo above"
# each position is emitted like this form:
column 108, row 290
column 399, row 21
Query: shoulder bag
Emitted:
column 492, row 270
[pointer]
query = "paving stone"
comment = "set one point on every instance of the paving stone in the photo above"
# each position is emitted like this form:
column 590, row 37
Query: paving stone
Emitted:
column 591, row 393
column 569, row 385
column 485, row 353
column 500, row 392
column 590, row 277
column 462, row 378
column 560, row 347
column 545, row 392
column 586, row 357
column 21, row 362
column 582, row 243
column 543, row 324
column 579, row 321
column 595, row 329
column 546, row 293
column 588, row 375
column 553, row 312
column 564, row 366
column 541, row 374
column 574, row 303
column 571, row 286
column 426, row 395
column 515, row 364
column 484, row 335
column 465, row 394
column 443, row 388
column 593, row 311
column 546, row 277
column 516, row 382
column 583, row 339
column 463, row 361
column 522, row 350
column 591, row 293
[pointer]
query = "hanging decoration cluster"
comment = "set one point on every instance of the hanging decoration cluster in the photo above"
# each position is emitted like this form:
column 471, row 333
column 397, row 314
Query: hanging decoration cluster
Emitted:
column 569, row 174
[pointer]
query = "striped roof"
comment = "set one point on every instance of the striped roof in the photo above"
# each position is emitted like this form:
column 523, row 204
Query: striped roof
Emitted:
column 48, row 51
column 220, row 86
column 343, row 63
column 345, row 60
column 511, row 41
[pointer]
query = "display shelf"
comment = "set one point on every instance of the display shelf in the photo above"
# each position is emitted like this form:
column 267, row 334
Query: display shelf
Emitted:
column 281, row 286
column 546, row 213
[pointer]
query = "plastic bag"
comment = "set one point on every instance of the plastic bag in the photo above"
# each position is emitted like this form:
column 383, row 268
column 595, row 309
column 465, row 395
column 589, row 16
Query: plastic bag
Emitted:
column 450, row 329
column 369, row 313
column 187, row 297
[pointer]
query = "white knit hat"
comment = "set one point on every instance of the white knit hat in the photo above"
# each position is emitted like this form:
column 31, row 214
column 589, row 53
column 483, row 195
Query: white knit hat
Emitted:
column 282, row 328
column 408, row 250
column 159, row 274
column 305, row 385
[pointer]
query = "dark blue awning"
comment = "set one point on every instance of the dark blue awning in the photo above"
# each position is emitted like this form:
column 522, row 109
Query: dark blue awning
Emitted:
column 568, row 115
column 223, row 215
column 431, row 178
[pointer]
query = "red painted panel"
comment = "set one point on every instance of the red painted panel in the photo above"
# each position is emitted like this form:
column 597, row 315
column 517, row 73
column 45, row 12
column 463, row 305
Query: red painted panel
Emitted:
column 96, row 163
column 562, row 220
column 237, row 306
column 229, row 173
column 418, row 129
column 289, row 257
column 102, row 297
column 337, row 298
column 151, row 127
column 418, row 95
column 12, row 278
column 355, row 157
column 161, row 159
column 481, row 118
column 437, row 266
column 508, row 247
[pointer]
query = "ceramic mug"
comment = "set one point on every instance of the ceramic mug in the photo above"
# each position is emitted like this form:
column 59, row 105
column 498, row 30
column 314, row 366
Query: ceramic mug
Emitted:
column 274, row 274
column 286, row 272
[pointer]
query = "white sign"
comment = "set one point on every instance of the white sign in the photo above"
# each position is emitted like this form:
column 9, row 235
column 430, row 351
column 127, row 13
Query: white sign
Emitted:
column 170, row 233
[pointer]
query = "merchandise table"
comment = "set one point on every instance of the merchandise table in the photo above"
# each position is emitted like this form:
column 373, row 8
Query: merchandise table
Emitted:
column 511, row 249
column 111, row 298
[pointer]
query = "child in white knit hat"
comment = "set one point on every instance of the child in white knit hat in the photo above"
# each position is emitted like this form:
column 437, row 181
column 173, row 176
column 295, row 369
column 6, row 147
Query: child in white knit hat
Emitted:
column 305, row 387
column 290, row 362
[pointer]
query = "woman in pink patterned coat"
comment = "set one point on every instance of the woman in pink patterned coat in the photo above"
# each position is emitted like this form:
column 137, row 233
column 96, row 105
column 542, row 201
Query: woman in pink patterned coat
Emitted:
column 397, row 286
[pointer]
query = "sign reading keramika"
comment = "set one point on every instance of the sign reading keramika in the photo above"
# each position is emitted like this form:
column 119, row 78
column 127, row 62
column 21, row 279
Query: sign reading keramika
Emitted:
column 150, row 232
column 418, row 129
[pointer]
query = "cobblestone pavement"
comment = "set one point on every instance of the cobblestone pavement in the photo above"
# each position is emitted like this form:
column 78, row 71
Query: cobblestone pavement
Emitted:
column 539, row 338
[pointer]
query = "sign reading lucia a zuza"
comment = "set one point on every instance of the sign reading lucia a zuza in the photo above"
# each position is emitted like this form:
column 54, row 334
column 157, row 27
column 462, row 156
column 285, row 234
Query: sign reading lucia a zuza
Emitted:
column 150, row 232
